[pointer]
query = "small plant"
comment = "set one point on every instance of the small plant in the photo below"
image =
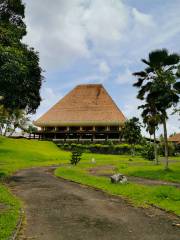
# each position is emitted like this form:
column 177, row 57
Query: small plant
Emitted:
column 76, row 156
column 148, row 152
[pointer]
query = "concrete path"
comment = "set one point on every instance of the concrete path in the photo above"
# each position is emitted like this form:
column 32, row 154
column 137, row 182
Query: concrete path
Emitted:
column 61, row 210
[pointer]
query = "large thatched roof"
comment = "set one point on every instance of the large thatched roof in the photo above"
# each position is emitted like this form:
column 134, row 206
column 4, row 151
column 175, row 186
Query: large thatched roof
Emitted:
column 85, row 105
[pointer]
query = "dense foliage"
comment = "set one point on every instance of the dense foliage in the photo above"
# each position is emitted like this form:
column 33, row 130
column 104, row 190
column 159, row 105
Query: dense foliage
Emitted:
column 120, row 149
column 20, row 74
column 132, row 132
column 171, row 149
column 148, row 151
column 159, row 88
column 10, row 121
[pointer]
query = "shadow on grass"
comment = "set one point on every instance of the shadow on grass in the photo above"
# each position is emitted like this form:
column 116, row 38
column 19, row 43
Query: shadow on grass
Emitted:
column 5, row 151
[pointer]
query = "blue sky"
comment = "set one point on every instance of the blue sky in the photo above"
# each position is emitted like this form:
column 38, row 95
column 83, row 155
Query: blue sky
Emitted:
column 99, row 41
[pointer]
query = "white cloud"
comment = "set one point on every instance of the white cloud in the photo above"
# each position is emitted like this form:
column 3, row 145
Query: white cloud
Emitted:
column 105, row 21
column 130, row 109
column 142, row 18
column 104, row 68
column 65, row 32
column 107, row 36
column 49, row 98
column 125, row 77
column 79, row 29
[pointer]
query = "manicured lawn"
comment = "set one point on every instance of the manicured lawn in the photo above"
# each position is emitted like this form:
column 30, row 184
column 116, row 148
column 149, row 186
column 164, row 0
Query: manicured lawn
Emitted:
column 16, row 155
column 9, row 213
column 20, row 154
column 153, row 172
column 133, row 166
column 165, row 197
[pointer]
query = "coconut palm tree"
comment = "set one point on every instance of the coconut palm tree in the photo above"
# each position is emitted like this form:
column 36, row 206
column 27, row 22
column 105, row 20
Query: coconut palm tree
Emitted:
column 159, row 84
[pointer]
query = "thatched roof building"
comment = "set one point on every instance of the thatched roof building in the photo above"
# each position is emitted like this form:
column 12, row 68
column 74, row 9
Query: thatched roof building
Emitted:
column 86, row 106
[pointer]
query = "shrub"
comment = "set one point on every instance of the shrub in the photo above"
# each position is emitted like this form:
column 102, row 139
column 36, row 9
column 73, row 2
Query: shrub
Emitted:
column 103, row 148
column 76, row 156
column 171, row 149
column 148, row 151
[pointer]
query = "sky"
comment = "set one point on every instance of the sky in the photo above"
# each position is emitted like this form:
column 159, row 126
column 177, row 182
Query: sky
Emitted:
column 100, row 41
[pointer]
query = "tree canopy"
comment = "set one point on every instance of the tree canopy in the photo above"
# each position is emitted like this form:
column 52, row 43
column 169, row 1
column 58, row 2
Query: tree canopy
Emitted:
column 20, row 73
column 132, row 131
column 159, row 87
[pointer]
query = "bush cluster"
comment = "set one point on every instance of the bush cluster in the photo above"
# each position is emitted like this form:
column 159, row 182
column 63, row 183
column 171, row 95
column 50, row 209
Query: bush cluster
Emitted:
column 148, row 151
column 171, row 149
column 120, row 149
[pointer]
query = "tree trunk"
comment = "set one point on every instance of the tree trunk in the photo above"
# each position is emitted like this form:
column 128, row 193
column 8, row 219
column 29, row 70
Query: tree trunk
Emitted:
column 165, row 145
column 5, row 130
column 132, row 150
column 155, row 149
column 14, row 129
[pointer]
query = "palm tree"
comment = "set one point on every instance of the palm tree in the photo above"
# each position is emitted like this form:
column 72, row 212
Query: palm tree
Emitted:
column 151, row 119
column 158, row 84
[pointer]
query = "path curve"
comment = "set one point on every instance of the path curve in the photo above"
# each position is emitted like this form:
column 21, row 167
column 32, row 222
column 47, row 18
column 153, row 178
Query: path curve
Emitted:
column 57, row 209
column 145, row 181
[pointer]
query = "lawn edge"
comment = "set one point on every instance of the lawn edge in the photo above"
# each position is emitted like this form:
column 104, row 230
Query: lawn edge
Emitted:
column 126, row 199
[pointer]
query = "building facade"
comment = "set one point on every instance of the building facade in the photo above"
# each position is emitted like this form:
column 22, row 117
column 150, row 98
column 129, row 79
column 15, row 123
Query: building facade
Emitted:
column 86, row 113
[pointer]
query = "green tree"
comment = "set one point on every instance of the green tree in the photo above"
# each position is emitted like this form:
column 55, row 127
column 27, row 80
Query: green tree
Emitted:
column 132, row 132
column 159, row 85
column 31, row 129
column 151, row 119
column 76, row 155
column 20, row 73
column 10, row 121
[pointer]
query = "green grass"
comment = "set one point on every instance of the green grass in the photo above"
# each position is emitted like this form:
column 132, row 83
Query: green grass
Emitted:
column 165, row 197
column 19, row 154
column 16, row 155
column 9, row 212
column 153, row 172
column 134, row 166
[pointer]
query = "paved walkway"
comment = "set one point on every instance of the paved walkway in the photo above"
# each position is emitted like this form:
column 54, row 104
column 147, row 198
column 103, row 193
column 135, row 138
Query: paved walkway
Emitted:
column 61, row 210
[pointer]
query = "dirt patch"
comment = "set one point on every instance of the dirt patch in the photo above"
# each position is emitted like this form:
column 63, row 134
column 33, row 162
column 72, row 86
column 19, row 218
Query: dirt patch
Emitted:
column 3, row 207
column 102, row 171
column 57, row 209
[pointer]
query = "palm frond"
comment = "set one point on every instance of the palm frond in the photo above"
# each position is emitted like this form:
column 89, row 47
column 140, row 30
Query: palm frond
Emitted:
column 149, row 70
column 140, row 74
column 177, row 86
column 139, row 82
column 172, row 59
column 145, row 61
column 157, row 58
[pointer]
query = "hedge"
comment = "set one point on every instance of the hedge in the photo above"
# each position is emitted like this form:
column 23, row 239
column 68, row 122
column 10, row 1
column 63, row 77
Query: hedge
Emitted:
column 103, row 148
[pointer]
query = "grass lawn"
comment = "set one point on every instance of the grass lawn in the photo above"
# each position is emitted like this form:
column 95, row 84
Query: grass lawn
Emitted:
column 20, row 154
column 166, row 197
column 16, row 155
column 9, row 212
column 134, row 166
